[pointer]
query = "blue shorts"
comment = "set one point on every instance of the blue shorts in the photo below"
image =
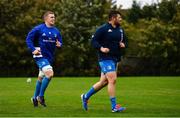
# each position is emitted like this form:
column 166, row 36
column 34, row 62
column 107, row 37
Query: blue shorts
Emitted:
column 108, row 66
column 42, row 62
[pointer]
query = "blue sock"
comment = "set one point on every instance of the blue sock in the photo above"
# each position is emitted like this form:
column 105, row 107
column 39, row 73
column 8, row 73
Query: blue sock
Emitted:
column 44, row 85
column 113, row 102
column 90, row 93
column 37, row 90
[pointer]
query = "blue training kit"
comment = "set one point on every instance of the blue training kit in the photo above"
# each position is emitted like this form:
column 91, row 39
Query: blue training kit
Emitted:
column 108, row 66
column 45, row 38
column 109, row 37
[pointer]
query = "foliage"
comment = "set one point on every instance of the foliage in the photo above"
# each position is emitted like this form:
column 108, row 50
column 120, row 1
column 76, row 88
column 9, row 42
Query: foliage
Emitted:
column 149, row 12
column 153, row 35
column 159, row 47
column 77, row 20
column 14, row 25
column 154, row 39
column 167, row 10
column 134, row 13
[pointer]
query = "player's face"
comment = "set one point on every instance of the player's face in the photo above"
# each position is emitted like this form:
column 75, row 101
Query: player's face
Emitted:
column 118, row 20
column 50, row 19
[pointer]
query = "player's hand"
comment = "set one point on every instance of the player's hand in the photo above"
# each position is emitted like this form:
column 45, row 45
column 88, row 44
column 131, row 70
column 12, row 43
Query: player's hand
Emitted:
column 105, row 50
column 122, row 45
column 37, row 52
column 58, row 44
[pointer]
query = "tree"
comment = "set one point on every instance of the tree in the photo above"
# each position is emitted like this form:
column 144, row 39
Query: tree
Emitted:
column 149, row 12
column 134, row 13
column 167, row 9
column 154, row 38
column 14, row 23
column 78, row 21
column 160, row 48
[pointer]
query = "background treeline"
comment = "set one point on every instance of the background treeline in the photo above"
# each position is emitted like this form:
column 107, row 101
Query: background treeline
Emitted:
column 153, row 34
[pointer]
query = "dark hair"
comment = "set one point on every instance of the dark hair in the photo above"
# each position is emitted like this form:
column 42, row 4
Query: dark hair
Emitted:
column 47, row 13
column 113, row 14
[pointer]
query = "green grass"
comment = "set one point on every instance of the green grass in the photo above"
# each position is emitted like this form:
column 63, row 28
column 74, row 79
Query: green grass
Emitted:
column 143, row 97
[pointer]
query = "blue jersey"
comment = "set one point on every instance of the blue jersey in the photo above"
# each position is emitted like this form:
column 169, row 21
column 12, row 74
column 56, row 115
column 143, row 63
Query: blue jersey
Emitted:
column 109, row 37
column 44, row 38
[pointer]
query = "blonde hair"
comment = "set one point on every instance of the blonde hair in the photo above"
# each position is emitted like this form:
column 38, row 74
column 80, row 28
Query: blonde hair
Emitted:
column 47, row 13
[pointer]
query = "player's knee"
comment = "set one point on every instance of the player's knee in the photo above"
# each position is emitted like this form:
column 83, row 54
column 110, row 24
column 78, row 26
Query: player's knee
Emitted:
column 111, row 78
column 112, row 81
column 48, row 71
column 49, row 74
column 105, row 83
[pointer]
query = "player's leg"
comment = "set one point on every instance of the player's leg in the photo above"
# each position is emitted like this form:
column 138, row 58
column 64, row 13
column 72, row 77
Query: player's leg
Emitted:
column 48, row 72
column 37, row 88
column 96, row 87
column 101, row 83
column 47, row 69
column 112, row 76
column 38, row 83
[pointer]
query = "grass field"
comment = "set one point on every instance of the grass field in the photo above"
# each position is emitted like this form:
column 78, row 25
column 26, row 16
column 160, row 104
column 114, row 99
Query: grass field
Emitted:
column 143, row 97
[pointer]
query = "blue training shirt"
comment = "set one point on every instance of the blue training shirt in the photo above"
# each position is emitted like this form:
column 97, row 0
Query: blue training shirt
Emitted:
column 43, row 37
column 109, row 37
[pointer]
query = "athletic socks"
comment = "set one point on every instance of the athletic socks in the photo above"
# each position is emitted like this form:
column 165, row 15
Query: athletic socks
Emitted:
column 90, row 93
column 38, row 87
column 113, row 102
column 44, row 85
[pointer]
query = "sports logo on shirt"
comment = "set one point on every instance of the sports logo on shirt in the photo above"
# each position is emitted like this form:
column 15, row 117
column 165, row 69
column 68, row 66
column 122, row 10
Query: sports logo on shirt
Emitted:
column 109, row 30
column 109, row 67
column 43, row 34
